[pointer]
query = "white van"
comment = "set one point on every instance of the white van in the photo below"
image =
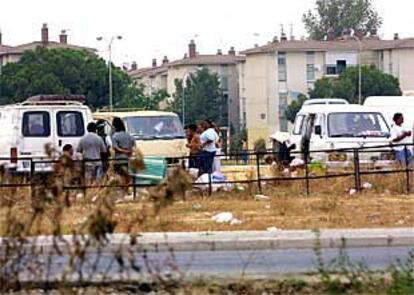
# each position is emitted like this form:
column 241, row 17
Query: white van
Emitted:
column 389, row 105
column 325, row 101
column 157, row 133
column 328, row 127
column 27, row 127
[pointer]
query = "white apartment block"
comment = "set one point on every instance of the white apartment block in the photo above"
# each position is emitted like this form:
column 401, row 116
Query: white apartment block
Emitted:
column 273, row 75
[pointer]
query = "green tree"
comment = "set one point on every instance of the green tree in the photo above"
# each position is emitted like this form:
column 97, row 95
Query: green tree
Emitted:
column 294, row 107
column 202, row 97
column 61, row 71
column 137, row 99
column 339, row 15
column 374, row 83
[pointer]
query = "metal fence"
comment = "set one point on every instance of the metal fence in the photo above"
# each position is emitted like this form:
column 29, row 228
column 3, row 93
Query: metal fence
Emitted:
column 355, row 163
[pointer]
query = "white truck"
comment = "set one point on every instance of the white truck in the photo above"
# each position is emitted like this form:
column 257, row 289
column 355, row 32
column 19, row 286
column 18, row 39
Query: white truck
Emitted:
column 329, row 127
column 27, row 127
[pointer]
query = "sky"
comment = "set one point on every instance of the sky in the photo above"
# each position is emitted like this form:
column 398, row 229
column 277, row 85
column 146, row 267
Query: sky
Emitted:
column 155, row 28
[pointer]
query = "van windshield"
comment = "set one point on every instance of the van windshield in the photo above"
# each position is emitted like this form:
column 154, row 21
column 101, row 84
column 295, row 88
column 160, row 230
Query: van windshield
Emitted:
column 156, row 127
column 357, row 125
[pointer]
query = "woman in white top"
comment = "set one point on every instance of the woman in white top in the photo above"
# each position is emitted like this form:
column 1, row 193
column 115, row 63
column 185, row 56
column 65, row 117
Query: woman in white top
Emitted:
column 217, row 158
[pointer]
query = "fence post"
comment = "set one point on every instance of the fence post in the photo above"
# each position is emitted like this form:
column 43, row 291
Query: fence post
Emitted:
column 259, row 183
column 357, row 170
column 84, row 181
column 210, row 187
column 306, row 174
column 407, row 169
column 134, row 187
column 32, row 172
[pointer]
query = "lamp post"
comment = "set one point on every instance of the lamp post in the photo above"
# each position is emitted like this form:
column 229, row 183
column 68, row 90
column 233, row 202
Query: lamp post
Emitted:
column 359, row 69
column 185, row 78
column 110, row 41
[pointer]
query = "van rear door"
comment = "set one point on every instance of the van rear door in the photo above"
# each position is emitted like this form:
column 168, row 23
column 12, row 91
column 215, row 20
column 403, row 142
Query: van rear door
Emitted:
column 70, row 126
column 36, row 131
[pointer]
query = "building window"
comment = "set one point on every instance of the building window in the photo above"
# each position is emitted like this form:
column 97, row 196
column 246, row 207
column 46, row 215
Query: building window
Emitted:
column 283, row 103
column 224, row 83
column 310, row 66
column 336, row 69
column 281, row 62
column 224, row 69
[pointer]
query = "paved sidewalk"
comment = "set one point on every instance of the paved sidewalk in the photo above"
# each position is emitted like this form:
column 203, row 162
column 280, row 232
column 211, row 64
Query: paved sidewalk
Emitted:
column 256, row 240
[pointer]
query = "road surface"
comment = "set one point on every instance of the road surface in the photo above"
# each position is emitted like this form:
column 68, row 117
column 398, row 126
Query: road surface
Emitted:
column 231, row 264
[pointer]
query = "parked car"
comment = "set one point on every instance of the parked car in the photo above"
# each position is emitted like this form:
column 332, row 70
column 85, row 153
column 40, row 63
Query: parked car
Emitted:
column 158, row 134
column 329, row 127
column 27, row 127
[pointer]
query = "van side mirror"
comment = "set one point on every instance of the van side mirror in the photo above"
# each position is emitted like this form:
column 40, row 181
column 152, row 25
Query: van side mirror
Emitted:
column 318, row 130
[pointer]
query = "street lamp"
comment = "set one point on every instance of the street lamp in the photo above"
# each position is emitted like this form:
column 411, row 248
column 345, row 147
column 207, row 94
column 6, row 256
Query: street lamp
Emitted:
column 184, row 83
column 359, row 68
column 110, row 41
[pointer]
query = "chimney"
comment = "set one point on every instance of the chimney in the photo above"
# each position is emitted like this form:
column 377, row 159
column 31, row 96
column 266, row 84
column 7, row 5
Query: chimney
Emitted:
column 359, row 33
column 165, row 60
column 232, row 51
column 63, row 37
column 154, row 62
column 331, row 34
column 192, row 49
column 45, row 34
column 396, row 36
column 134, row 66
column 219, row 52
column 283, row 37
column 0, row 38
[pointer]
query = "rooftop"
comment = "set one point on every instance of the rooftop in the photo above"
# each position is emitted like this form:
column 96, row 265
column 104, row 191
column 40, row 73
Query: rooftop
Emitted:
column 347, row 44
column 150, row 71
column 213, row 59
column 45, row 42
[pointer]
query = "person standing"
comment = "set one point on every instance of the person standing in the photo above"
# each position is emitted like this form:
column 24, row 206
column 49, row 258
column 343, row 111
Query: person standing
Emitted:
column 91, row 146
column 123, row 144
column 219, row 144
column 208, row 139
column 193, row 145
column 400, row 136
column 100, row 125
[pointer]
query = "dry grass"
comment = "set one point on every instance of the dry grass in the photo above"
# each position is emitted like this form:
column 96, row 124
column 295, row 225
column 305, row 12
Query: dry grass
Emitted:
column 285, row 210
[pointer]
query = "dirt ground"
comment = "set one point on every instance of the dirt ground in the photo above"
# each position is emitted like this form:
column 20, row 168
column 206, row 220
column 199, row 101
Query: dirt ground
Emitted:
column 282, row 210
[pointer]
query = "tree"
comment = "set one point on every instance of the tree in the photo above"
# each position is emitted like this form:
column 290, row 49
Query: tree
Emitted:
column 61, row 71
column 202, row 97
column 339, row 15
column 294, row 107
column 374, row 83
column 137, row 99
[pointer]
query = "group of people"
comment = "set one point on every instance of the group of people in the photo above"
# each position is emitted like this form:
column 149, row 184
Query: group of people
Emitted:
column 95, row 149
column 204, row 144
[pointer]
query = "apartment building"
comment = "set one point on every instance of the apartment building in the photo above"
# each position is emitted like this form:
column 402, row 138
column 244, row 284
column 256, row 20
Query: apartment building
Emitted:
column 164, row 76
column 275, row 74
column 14, row 53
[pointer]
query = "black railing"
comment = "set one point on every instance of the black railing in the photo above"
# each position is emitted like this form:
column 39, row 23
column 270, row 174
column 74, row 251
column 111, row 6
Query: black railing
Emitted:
column 358, row 163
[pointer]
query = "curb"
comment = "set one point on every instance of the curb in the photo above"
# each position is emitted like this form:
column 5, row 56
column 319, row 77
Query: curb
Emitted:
column 246, row 240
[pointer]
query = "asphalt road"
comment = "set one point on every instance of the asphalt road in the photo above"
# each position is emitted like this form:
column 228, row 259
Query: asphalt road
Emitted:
column 255, row 264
